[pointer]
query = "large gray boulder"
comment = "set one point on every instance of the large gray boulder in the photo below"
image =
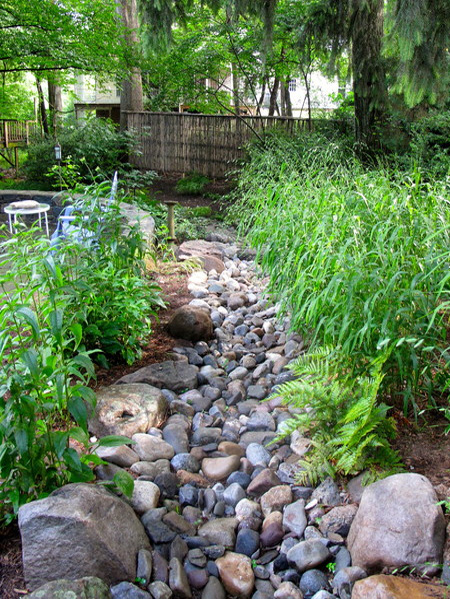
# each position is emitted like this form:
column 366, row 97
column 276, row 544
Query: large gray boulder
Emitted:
column 84, row 588
column 127, row 409
column 398, row 524
column 176, row 376
column 80, row 530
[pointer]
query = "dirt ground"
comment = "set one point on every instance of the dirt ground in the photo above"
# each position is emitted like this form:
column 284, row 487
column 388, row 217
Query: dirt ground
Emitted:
column 424, row 449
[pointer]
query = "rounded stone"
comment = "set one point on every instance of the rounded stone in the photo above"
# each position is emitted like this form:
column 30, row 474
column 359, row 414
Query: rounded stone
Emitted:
column 220, row 468
column 191, row 323
column 247, row 541
column 312, row 582
column 236, row 574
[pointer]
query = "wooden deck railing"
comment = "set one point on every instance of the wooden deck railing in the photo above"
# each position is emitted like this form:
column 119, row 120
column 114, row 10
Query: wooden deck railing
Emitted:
column 14, row 133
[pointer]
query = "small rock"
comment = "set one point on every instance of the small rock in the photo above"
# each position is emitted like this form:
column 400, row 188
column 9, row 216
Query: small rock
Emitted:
column 193, row 324
column 257, row 455
column 220, row 468
column 327, row 493
column 236, row 574
column 213, row 589
column 275, row 499
column 233, row 494
column 346, row 577
column 159, row 590
column 88, row 587
column 287, row 590
column 294, row 517
column 178, row 581
column 220, row 531
column 127, row 590
column 247, row 541
column 145, row 496
column 152, row 448
column 144, row 565
column 308, row 554
column 264, row 481
column 121, row 456
column 312, row 582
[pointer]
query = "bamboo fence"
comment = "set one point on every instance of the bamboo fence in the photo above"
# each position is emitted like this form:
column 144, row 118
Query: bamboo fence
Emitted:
column 208, row 144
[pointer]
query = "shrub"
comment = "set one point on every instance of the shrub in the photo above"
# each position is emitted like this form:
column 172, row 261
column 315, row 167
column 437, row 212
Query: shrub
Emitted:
column 88, row 149
column 192, row 184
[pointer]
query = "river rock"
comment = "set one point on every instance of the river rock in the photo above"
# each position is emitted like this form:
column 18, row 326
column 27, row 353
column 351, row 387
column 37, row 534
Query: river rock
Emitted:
column 236, row 574
column 150, row 448
column 220, row 531
column 398, row 524
column 220, row 468
column 338, row 520
column 191, row 323
column 382, row 586
column 88, row 587
column 213, row 590
column 175, row 376
column 178, row 581
column 145, row 496
column 127, row 409
column 308, row 554
column 85, row 521
column 262, row 482
column 275, row 499
column 294, row 517
column 128, row 590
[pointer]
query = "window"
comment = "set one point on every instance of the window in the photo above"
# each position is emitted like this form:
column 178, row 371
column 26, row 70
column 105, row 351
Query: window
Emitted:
column 293, row 85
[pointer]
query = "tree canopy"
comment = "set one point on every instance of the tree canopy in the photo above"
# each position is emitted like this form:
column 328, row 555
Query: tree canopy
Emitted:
column 83, row 35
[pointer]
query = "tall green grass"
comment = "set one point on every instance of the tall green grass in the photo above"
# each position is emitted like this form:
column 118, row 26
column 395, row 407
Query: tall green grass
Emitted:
column 359, row 257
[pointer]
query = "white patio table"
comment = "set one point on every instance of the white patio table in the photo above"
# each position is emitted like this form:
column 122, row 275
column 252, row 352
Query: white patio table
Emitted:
column 27, row 207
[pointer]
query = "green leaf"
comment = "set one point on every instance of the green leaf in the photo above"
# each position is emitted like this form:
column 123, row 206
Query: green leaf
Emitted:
column 77, row 408
column 30, row 318
column 114, row 441
column 85, row 362
column 56, row 324
column 77, row 331
column 29, row 358
column 124, row 482
column 72, row 459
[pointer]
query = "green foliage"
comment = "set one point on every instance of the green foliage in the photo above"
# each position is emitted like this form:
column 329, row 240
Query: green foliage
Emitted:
column 108, row 293
column 359, row 257
column 430, row 143
column 44, row 377
column 15, row 100
column 192, row 184
column 71, row 35
column 59, row 310
column 348, row 428
column 90, row 148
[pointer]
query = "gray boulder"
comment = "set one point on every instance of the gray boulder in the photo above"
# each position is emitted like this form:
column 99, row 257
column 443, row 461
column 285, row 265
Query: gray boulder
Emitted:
column 88, row 587
column 175, row 376
column 398, row 524
column 80, row 530
column 127, row 409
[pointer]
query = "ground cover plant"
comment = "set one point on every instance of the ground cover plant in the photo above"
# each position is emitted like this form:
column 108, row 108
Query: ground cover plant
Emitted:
column 360, row 257
column 64, row 307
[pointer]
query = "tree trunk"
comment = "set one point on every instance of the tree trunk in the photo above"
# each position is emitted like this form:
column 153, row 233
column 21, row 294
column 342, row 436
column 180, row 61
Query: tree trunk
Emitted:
column 273, row 97
column 287, row 100
column 42, row 108
column 55, row 104
column 283, row 98
column 131, row 93
column 369, row 84
column 261, row 98
column 235, row 84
